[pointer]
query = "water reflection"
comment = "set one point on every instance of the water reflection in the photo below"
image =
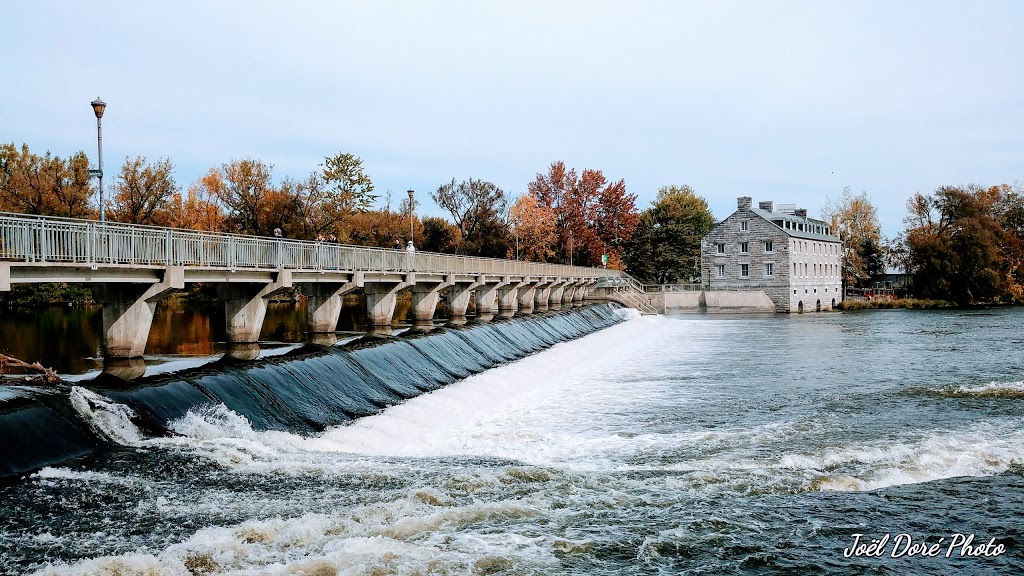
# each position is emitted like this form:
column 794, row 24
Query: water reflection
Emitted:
column 69, row 339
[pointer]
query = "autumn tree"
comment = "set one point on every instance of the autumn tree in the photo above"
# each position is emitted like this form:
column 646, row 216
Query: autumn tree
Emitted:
column 46, row 185
column 954, row 241
column 665, row 247
column 245, row 189
column 143, row 192
column 199, row 210
column 478, row 210
column 533, row 228
column 381, row 228
column 592, row 216
column 855, row 220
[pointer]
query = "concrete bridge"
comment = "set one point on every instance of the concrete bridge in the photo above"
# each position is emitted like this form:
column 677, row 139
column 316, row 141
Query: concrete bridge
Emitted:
column 131, row 267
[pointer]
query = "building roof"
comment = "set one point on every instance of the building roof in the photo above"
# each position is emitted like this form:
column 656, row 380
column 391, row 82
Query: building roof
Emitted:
column 773, row 217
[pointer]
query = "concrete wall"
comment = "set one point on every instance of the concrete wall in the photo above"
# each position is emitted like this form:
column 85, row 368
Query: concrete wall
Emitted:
column 709, row 302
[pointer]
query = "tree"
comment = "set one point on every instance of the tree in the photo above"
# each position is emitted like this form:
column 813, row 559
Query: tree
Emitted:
column 478, row 210
column 533, row 228
column 244, row 187
column 198, row 211
column 855, row 220
column 592, row 216
column 327, row 197
column 143, row 192
column 665, row 247
column 47, row 185
column 438, row 235
column 954, row 241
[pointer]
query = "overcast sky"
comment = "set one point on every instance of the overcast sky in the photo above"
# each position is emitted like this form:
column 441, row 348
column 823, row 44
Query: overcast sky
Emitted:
column 783, row 101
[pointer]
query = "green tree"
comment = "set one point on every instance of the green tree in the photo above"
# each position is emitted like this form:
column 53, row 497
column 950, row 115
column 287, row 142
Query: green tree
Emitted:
column 478, row 209
column 665, row 248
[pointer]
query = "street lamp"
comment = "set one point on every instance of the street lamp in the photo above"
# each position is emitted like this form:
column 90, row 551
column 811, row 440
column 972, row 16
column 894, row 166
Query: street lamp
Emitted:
column 412, row 208
column 98, row 106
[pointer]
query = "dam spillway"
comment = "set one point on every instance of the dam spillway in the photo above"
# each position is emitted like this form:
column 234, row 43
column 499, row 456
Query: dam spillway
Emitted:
column 304, row 392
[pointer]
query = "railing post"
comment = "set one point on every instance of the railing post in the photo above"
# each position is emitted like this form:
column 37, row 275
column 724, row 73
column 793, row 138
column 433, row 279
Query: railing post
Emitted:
column 42, row 241
column 167, row 248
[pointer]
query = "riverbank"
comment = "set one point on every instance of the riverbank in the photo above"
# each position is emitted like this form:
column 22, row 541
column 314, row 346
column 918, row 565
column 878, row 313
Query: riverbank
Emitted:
column 907, row 303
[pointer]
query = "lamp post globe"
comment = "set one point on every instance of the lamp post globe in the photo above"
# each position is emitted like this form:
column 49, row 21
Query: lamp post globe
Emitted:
column 98, row 106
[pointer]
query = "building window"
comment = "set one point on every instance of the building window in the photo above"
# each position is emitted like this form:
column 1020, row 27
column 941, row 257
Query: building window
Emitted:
column 743, row 247
column 744, row 270
column 721, row 248
column 720, row 270
column 769, row 246
column 769, row 269
column 744, row 226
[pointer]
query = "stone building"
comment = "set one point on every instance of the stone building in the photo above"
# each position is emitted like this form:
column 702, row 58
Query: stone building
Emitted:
column 793, row 259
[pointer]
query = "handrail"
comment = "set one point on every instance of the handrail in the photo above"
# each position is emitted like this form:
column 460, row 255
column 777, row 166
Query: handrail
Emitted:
column 31, row 238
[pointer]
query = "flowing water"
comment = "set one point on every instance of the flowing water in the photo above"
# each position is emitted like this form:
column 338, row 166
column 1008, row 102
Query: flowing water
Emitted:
column 658, row 445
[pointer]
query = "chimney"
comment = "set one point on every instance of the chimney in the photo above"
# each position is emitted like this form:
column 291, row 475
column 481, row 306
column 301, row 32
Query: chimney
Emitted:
column 801, row 212
column 743, row 203
column 766, row 205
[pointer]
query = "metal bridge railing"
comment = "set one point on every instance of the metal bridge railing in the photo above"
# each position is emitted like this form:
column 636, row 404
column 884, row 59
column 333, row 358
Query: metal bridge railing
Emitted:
column 40, row 239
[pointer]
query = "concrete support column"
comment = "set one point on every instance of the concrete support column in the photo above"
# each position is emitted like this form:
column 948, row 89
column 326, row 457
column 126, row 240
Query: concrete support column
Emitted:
column 567, row 295
column 527, row 293
column 580, row 293
column 128, row 312
column 508, row 295
column 542, row 295
column 487, row 298
column 324, row 303
column 381, row 298
column 425, row 296
column 245, row 306
column 458, row 298
column 555, row 298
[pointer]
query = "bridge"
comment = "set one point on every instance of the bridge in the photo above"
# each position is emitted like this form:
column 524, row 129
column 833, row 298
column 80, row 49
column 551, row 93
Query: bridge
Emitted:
column 132, row 267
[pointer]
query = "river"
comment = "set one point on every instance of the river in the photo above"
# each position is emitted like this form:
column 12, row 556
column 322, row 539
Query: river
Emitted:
column 659, row 445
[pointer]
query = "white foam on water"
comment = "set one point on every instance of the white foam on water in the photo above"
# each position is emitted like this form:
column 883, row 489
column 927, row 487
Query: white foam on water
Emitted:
column 985, row 449
column 1008, row 389
column 403, row 537
column 109, row 419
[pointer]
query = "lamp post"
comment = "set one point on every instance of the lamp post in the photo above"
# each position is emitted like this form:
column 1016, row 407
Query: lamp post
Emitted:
column 412, row 209
column 97, row 107
column 570, row 247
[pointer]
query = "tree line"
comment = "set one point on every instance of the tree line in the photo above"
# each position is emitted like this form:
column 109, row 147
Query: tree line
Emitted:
column 963, row 244
column 562, row 216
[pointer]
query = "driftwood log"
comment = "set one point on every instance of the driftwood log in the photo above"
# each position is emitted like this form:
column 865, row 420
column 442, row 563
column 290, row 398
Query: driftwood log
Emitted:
column 44, row 376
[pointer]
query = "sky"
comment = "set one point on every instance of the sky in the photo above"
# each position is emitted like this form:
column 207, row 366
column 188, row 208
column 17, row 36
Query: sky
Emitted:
column 785, row 101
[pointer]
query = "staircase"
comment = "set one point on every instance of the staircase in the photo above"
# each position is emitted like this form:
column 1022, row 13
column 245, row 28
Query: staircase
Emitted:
column 627, row 291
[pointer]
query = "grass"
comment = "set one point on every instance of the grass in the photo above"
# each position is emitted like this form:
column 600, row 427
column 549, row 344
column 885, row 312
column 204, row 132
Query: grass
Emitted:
column 909, row 303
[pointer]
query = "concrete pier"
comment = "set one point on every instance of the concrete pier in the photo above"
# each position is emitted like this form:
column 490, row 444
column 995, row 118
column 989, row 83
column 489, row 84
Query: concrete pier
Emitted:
column 245, row 305
column 128, row 310
column 381, row 297
column 458, row 296
column 426, row 292
column 324, row 303
column 555, row 296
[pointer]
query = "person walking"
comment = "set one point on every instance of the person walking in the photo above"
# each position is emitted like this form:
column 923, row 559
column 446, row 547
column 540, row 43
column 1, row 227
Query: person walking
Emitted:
column 411, row 251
